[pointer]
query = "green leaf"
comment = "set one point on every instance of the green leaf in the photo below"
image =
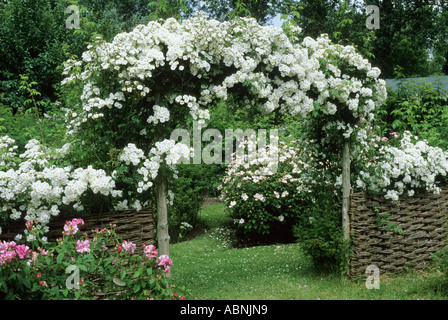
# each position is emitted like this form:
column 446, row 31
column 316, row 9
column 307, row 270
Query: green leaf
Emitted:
column 138, row 273
column 123, row 274
column 82, row 267
column 59, row 258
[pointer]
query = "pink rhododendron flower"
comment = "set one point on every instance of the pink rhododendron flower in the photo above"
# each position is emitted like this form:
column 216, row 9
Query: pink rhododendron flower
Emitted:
column 83, row 246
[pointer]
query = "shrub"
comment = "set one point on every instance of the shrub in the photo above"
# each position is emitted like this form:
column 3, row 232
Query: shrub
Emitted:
column 319, row 229
column 441, row 257
column 186, row 195
column 394, row 164
column 80, row 266
column 37, row 184
column 441, row 260
column 263, row 203
column 421, row 108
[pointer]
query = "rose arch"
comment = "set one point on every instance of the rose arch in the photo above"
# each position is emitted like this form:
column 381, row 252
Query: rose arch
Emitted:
column 135, row 90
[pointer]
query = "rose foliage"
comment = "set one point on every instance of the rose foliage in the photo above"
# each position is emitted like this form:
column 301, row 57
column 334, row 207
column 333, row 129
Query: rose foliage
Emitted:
column 81, row 266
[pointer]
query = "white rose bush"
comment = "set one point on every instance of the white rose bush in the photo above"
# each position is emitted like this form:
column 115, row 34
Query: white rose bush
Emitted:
column 34, row 188
column 397, row 165
column 265, row 204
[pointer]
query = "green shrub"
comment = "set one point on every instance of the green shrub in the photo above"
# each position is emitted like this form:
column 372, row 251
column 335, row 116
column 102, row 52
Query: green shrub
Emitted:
column 319, row 230
column 29, row 122
column 188, row 192
column 421, row 108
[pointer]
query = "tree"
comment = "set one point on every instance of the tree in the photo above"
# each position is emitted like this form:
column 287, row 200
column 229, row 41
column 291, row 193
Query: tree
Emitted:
column 33, row 37
column 412, row 33
column 261, row 10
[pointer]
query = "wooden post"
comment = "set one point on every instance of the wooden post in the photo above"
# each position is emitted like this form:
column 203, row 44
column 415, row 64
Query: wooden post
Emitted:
column 162, row 215
column 163, row 236
column 346, row 189
column 162, row 205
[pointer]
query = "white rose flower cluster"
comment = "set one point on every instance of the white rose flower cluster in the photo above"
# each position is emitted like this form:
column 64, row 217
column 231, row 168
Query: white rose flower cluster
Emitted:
column 257, row 169
column 7, row 151
column 35, row 190
column 167, row 151
column 161, row 115
column 410, row 167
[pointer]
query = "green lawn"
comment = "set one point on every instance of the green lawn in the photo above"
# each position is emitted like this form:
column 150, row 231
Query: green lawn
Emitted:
column 211, row 269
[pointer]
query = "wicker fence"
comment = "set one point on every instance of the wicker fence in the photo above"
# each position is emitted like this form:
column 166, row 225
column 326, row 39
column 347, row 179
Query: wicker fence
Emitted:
column 394, row 235
column 137, row 227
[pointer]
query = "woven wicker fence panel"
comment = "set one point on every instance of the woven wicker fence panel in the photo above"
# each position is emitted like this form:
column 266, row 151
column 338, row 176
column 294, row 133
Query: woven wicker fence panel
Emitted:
column 131, row 225
column 422, row 218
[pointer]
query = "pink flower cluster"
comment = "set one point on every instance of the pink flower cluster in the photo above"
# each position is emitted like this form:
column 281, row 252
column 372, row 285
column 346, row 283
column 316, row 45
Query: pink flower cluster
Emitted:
column 71, row 227
column 150, row 251
column 8, row 250
column 127, row 246
column 165, row 261
column 83, row 246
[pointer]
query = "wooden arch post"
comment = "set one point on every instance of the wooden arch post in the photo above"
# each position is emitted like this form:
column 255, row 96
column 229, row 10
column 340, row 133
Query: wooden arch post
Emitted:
column 346, row 187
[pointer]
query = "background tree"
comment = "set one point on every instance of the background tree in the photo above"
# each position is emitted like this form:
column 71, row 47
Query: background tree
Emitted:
column 262, row 10
column 33, row 39
column 412, row 33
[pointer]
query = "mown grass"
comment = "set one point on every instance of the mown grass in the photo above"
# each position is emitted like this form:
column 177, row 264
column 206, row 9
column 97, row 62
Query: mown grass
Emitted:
column 212, row 269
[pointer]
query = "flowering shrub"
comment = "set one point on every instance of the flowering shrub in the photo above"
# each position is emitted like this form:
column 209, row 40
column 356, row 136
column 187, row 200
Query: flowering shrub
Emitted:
column 296, row 201
column 15, row 275
column 84, row 267
column 258, row 202
column 393, row 166
column 34, row 186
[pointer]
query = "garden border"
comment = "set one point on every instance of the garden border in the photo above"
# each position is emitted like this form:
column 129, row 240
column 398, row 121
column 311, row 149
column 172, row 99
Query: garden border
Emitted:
column 395, row 235
column 131, row 225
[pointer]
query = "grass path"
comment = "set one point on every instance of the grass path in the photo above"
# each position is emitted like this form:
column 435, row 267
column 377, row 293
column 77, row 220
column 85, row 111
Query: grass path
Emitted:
column 212, row 270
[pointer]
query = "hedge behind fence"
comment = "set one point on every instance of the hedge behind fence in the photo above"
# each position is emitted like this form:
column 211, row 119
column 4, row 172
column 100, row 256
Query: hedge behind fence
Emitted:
column 395, row 235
